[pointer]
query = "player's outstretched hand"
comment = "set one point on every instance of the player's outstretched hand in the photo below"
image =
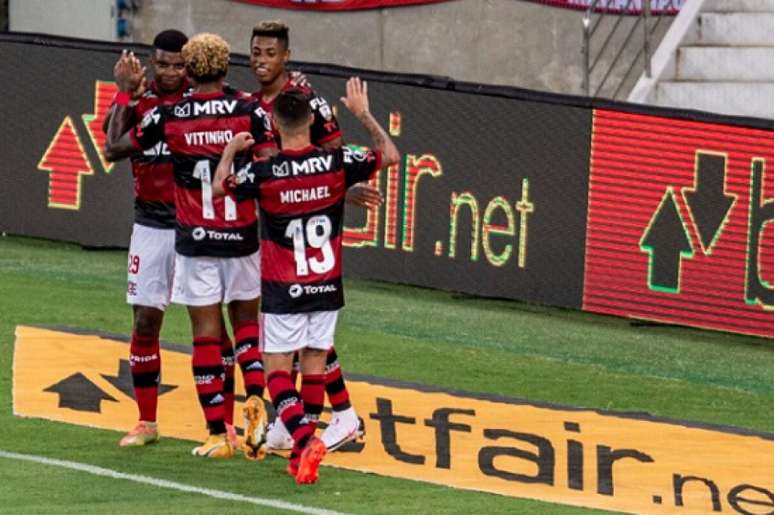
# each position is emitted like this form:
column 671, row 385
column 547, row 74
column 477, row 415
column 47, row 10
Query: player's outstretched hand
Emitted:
column 357, row 96
column 130, row 74
column 364, row 195
column 242, row 141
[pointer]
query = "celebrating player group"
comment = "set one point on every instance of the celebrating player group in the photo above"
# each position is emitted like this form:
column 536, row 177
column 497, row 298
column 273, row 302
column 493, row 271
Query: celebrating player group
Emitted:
column 206, row 158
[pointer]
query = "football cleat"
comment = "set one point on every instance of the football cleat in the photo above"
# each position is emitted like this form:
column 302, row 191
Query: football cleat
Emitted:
column 344, row 427
column 143, row 433
column 215, row 446
column 309, row 463
column 277, row 437
column 254, row 444
column 233, row 438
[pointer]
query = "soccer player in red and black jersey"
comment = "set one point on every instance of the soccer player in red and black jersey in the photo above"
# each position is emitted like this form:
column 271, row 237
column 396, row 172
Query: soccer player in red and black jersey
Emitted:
column 301, row 197
column 151, row 249
column 216, row 239
column 269, row 55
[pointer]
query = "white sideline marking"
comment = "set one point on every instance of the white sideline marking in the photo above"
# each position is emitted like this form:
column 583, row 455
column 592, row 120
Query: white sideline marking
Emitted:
column 163, row 483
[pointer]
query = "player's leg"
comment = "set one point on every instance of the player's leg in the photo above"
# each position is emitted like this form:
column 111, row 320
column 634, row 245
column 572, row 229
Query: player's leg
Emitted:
column 278, row 440
column 227, row 356
column 198, row 286
column 320, row 334
column 344, row 425
column 283, row 334
column 242, row 283
column 150, row 273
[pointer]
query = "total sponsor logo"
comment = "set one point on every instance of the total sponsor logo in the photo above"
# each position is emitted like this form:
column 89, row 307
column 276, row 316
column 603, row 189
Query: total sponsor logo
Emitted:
column 296, row 290
column 201, row 233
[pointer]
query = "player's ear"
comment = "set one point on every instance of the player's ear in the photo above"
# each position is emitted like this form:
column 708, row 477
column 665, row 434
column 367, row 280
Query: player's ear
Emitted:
column 286, row 58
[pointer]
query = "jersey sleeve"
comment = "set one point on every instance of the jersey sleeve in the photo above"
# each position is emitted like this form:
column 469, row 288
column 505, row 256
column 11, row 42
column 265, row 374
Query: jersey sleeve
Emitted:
column 360, row 166
column 261, row 129
column 150, row 130
column 325, row 127
column 245, row 183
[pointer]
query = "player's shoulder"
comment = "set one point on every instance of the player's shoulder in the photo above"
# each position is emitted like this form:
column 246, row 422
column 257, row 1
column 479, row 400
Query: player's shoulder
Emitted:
column 239, row 94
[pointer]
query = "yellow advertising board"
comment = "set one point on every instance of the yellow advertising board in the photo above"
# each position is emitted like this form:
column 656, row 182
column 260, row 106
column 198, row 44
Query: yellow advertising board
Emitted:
column 620, row 462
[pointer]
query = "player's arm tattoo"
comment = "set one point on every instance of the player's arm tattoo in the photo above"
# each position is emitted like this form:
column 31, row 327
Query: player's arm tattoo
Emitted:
column 380, row 138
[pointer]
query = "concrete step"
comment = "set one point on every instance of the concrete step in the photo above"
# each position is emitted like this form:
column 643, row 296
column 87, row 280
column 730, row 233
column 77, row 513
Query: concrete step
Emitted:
column 734, row 98
column 729, row 64
column 738, row 6
column 746, row 29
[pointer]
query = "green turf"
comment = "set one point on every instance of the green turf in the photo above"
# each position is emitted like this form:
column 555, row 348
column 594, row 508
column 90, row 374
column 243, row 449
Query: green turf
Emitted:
column 424, row 336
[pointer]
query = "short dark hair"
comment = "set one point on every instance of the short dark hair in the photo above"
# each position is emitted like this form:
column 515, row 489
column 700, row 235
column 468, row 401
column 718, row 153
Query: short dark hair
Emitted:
column 272, row 29
column 291, row 109
column 170, row 40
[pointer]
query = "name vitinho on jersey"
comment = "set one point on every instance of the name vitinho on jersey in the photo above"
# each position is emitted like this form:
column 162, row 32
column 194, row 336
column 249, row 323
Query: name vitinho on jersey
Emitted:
column 304, row 195
column 209, row 137
column 308, row 166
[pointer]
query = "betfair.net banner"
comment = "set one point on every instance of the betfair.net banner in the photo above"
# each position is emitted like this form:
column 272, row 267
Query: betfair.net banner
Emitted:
column 338, row 5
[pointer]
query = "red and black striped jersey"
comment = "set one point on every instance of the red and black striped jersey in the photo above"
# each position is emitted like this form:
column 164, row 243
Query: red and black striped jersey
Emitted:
column 301, row 198
column 325, row 127
column 154, row 181
column 196, row 130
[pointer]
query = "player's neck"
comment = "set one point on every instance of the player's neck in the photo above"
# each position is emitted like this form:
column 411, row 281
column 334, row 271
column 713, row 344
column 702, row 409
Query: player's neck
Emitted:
column 209, row 87
column 269, row 91
column 295, row 141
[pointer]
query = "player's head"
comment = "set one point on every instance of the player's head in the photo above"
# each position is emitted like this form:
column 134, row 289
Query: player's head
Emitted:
column 167, row 60
column 292, row 113
column 269, row 51
column 206, row 58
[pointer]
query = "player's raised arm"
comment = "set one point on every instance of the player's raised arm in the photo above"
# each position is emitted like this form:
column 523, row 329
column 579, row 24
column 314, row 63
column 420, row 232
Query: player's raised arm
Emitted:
column 242, row 141
column 130, row 78
column 356, row 102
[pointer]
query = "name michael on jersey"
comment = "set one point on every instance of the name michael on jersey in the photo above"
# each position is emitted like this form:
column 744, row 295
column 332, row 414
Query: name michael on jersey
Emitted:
column 304, row 195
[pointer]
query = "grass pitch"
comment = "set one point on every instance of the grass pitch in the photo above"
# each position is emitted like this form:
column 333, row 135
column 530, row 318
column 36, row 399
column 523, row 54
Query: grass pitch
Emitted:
column 410, row 334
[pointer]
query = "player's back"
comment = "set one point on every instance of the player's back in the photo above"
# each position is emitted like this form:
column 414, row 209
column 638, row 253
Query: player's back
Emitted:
column 301, row 198
column 196, row 130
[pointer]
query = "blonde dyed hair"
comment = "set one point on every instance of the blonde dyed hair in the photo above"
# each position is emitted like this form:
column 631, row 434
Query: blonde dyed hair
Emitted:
column 206, row 57
column 271, row 26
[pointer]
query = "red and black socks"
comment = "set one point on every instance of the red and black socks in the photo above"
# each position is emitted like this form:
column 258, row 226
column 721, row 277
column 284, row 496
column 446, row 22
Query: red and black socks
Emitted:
column 290, row 409
column 248, row 355
column 334, row 383
column 209, row 376
column 227, row 357
column 145, row 366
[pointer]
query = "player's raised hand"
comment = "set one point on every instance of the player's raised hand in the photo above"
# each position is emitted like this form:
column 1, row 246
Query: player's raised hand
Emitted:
column 137, row 77
column 357, row 96
column 129, row 74
column 299, row 79
column 241, row 141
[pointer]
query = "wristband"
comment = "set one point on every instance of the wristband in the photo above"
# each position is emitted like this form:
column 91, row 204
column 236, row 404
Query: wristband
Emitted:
column 122, row 98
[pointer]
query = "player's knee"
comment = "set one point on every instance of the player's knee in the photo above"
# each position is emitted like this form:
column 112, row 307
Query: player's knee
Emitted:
column 147, row 321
